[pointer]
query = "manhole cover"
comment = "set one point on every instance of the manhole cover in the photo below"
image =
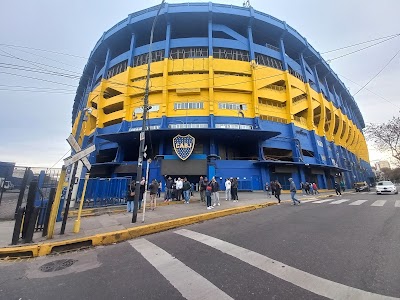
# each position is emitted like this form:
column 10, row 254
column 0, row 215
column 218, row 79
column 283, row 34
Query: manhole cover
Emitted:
column 57, row 265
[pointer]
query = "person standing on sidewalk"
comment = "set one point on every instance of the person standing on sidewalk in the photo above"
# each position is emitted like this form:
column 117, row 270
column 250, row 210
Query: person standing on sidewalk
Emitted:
column 131, row 197
column 208, row 195
column 142, row 190
column 234, row 188
column 228, row 185
column 169, row 183
column 337, row 189
column 153, row 193
column 215, row 192
column 179, row 186
column 293, row 191
column 186, row 190
column 278, row 188
column 202, row 189
column 159, row 189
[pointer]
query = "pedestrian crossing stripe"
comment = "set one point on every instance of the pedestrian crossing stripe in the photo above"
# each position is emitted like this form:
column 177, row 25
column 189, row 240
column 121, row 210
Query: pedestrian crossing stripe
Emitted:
column 358, row 202
column 375, row 203
column 339, row 201
column 317, row 285
column 379, row 203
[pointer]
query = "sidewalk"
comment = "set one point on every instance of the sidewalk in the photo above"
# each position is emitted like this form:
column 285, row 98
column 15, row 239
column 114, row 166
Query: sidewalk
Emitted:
column 165, row 216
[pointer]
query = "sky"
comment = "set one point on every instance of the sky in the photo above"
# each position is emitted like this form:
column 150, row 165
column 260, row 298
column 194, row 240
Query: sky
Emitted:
column 35, row 112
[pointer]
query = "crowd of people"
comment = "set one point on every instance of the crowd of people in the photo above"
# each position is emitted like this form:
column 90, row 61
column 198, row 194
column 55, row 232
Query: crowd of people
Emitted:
column 181, row 189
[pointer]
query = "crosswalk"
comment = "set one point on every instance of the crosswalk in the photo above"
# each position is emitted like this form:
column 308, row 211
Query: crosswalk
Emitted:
column 191, row 285
column 374, row 203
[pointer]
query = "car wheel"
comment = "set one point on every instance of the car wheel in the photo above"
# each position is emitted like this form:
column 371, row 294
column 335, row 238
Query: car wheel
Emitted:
column 396, row 192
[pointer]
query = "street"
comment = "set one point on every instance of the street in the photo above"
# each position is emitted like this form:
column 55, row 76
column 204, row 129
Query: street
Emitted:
column 340, row 248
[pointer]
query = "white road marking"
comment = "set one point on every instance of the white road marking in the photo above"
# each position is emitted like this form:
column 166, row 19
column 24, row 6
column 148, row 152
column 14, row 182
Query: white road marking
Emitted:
column 371, row 193
column 189, row 283
column 358, row 202
column 323, row 201
column 397, row 203
column 310, row 282
column 339, row 201
column 379, row 203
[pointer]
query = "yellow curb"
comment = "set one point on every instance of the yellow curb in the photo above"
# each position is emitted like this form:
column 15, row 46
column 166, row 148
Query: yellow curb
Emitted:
column 108, row 238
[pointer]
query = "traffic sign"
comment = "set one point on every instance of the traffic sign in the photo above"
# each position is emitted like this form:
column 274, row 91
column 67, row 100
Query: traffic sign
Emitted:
column 80, row 155
column 74, row 144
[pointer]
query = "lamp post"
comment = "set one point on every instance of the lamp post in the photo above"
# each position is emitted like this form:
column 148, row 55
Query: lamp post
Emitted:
column 142, row 133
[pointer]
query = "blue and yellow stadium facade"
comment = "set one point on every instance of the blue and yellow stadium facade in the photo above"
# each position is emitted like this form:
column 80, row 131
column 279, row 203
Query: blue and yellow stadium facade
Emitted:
column 261, row 103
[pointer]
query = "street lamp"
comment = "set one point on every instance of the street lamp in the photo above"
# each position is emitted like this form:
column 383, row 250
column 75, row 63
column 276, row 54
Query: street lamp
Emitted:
column 142, row 133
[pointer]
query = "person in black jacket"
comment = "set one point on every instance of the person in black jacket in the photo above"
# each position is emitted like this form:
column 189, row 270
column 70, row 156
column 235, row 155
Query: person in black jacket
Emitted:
column 278, row 188
column 215, row 192
column 153, row 193
column 186, row 190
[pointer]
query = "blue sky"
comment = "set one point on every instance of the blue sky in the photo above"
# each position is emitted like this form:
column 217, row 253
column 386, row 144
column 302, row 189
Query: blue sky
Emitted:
column 35, row 116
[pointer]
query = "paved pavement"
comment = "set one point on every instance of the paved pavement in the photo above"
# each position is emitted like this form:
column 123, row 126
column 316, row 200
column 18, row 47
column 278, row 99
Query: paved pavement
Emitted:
column 113, row 221
column 318, row 250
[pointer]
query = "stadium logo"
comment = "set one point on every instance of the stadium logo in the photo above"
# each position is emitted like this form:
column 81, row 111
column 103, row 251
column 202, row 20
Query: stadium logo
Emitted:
column 183, row 145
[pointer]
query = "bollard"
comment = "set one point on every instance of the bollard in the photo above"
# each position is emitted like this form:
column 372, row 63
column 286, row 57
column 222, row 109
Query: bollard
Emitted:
column 77, row 223
column 31, row 225
column 22, row 190
column 30, row 203
column 17, row 226
column 48, row 211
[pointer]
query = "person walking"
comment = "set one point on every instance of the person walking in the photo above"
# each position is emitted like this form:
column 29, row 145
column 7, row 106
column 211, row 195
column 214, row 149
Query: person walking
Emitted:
column 130, row 197
column 278, row 189
column 153, row 193
column 315, row 188
column 273, row 187
column 293, row 192
column 228, row 185
column 337, row 189
column 268, row 189
column 342, row 186
column 303, row 190
column 215, row 192
column 234, row 188
column 186, row 190
column 311, row 189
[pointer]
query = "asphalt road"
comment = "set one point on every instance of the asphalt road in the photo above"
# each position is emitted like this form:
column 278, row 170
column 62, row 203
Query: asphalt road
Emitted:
column 343, row 248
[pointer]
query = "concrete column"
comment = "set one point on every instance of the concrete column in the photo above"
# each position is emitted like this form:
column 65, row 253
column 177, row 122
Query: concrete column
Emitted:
column 132, row 51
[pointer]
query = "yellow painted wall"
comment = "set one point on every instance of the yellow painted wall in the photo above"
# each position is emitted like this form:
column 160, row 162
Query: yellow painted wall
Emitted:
column 212, row 81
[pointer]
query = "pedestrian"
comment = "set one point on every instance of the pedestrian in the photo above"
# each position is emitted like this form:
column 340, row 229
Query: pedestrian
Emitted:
column 169, row 184
column 315, row 188
column 179, row 186
column 268, row 189
column 278, row 189
column 131, row 197
column 202, row 189
column 307, row 187
column 159, row 189
column 215, row 192
column 228, row 185
column 342, row 186
column 303, row 189
column 142, row 190
column 234, row 188
column 231, row 180
column 273, row 187
column 208, row 195
column 311, row 189
column 191, row 189
column 186, row 190
column 293, row 192
column 153, row 193
column 337, row 189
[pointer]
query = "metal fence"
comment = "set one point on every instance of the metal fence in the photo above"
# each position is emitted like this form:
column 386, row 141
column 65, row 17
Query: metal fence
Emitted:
column 104, row 191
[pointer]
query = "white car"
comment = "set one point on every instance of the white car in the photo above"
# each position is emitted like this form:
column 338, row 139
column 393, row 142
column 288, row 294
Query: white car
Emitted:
column 386, row 187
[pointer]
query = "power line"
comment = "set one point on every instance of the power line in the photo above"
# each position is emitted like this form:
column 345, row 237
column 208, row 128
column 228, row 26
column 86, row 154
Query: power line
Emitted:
column 347, row 54
column 37, row 79
column 361, row 43
column 377, row 74
column 69, row 150
column 43, row 50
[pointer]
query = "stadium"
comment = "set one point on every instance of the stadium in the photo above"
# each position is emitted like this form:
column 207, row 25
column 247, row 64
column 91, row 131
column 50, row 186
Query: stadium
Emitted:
column 234, row 92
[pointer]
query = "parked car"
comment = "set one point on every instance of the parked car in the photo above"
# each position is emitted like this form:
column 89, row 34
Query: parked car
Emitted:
column 6, row 185
column 361, row 186
column 386, row 187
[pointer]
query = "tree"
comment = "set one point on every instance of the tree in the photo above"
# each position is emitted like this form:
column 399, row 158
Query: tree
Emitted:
column 386, row 137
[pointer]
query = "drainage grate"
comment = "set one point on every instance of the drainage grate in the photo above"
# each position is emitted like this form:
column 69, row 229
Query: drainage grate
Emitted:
column 57, row 265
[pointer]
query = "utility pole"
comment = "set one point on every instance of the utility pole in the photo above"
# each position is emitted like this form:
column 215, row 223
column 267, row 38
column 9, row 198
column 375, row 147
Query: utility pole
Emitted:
column 143, row 132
